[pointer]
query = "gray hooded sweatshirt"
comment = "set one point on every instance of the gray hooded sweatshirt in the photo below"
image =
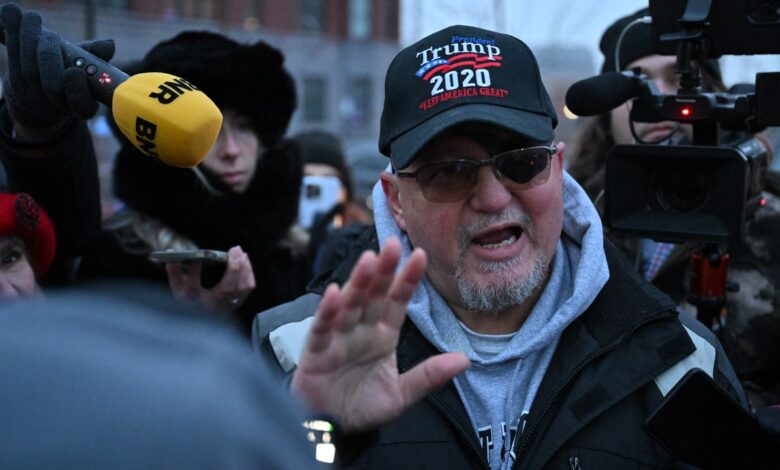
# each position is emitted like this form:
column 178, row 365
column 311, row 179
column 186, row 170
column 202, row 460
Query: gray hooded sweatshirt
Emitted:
column 506, row 370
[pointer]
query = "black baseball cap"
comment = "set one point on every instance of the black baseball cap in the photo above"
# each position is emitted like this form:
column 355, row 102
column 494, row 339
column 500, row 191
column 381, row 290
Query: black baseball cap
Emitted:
column 462, row 74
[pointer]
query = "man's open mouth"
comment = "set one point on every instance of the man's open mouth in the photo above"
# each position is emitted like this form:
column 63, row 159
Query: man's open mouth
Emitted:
column 498, row 238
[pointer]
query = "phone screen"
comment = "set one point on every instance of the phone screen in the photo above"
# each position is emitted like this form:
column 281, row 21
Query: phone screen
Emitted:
column 178, row 256
column 319, row 194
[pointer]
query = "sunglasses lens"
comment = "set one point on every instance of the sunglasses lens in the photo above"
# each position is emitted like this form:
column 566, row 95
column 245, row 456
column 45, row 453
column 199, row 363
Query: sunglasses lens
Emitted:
column 527, row 167
column 447, row 182
column 452, row 181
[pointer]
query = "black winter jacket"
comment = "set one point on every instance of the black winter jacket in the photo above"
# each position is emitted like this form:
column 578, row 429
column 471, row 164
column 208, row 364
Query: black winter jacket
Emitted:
column 62, row 176
column 589, row 410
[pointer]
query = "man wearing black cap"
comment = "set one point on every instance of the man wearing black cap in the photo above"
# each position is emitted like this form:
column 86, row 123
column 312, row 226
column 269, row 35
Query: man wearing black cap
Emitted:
column 528, row 343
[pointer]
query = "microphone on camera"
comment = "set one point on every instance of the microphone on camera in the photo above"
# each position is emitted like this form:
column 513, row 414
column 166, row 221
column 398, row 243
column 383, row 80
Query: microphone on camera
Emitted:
column 602, row 93
column 163, row 116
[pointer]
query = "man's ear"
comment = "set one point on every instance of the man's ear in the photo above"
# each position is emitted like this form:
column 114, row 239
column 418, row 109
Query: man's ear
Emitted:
column 390, row 187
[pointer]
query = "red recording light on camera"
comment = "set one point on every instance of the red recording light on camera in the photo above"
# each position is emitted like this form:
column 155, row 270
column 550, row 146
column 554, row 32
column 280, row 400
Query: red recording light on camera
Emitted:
column 686, row 111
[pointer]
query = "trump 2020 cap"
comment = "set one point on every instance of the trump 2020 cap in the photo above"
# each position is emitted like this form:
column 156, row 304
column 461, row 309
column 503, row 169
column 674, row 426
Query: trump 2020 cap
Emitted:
column 462, row 74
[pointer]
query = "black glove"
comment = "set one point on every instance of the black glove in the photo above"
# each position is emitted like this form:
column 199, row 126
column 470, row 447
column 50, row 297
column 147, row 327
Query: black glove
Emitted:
column 39, row 90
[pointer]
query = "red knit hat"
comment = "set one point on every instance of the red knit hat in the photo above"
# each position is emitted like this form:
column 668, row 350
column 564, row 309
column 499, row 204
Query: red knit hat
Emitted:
column 20, row 215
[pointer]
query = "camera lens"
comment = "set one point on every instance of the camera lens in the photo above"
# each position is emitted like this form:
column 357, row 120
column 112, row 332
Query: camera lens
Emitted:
column 682, row 190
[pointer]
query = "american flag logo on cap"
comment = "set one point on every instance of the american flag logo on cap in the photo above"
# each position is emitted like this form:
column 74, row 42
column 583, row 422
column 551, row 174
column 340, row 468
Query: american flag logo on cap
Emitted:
column 462, row 60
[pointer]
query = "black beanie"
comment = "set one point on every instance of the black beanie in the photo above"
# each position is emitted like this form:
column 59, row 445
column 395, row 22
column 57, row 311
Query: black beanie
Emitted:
column 249, row 79
column 637, row 43
column 325, row 148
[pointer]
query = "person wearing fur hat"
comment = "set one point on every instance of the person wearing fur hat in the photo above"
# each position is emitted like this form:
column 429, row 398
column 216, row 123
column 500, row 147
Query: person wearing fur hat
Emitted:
column 27, row 245
column 241, row 199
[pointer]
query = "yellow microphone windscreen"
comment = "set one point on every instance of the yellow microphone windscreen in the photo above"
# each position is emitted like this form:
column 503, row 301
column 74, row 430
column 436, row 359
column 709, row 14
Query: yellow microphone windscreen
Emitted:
column 167, row 118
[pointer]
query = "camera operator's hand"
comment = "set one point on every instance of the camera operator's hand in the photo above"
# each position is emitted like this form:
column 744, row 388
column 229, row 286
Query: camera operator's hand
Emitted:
column 41, row 93
column 229, row 294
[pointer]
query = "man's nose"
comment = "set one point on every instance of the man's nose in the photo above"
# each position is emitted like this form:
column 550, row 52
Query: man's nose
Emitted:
column 665, row 87
column 7, row 290
column 489, row 194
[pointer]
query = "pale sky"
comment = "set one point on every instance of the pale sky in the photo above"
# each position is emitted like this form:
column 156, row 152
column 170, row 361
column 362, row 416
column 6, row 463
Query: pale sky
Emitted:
column 547, row 22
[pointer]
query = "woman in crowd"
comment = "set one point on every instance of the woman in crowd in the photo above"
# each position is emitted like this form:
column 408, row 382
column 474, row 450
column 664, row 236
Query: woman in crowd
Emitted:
column 242, row 198
column 27, row 245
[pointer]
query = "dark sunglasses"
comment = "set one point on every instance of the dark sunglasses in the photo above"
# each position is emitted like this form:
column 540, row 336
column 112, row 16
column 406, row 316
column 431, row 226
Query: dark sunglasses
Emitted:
column 454, row 180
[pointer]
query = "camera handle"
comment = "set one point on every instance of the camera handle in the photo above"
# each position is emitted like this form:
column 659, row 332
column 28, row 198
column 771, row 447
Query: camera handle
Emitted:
column 707, row 285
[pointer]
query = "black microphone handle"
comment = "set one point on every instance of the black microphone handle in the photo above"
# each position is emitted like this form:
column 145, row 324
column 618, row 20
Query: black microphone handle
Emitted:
column 103, row 78
column 602, row 93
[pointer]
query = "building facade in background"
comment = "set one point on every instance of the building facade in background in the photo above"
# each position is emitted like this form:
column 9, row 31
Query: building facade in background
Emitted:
column 337, row 50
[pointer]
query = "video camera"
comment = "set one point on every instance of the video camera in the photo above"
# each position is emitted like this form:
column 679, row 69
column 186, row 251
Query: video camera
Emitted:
column 705, row 191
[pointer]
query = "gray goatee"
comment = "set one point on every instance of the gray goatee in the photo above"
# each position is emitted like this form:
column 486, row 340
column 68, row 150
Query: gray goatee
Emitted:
column 508, row 290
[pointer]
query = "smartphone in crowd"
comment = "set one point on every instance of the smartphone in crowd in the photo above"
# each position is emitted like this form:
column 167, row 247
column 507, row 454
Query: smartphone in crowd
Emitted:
column 319, row 195
column 179, row 256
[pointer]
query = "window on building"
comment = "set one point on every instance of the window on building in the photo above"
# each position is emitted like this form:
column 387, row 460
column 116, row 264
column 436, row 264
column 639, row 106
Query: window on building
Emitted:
column 391, row 19
column 198, row 9
column 258, row 9
column 314, row 97
column 312, row 15
column 356, row 106
column 359, row 19
column 122, row 4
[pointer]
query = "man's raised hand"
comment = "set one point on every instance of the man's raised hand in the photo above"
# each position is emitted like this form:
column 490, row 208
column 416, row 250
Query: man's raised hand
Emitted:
column 348, row 366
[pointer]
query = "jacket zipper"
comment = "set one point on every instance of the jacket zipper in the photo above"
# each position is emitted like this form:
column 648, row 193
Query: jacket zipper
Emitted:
column 527, row 436
column 468, row 437
column 464, row 434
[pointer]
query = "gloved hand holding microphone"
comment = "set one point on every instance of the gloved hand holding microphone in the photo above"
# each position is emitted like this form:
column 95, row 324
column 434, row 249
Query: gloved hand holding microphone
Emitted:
column 50, row 80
